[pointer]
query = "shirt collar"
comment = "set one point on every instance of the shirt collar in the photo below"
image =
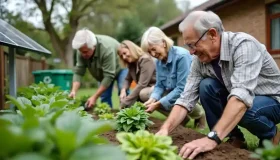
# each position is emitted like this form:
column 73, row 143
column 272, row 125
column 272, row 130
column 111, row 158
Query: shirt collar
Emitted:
column 224, row 51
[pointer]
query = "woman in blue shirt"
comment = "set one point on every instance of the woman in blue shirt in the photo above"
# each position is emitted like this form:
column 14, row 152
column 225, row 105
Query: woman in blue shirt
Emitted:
column 172, row 68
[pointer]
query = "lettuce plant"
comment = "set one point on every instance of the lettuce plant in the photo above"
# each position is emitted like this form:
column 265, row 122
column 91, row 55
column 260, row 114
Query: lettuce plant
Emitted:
column 65, row 136
column 132, row 119
column 102, row 108
column 83, row 99
column 140, row 105
column 106, row 116
column 50, row 126
column 144, row 145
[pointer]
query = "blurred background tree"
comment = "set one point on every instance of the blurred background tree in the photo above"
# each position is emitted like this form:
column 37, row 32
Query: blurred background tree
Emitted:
column 53, row 23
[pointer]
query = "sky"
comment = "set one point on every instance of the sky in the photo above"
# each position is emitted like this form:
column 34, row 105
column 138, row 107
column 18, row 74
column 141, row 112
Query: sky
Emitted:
column 37, row 19
column 193, row 3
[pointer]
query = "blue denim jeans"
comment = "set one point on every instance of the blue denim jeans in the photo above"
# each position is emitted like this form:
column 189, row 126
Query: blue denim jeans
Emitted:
column 106, row 97
column 260, row 120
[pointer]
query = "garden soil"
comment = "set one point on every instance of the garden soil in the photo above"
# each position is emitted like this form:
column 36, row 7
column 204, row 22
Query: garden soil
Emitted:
column 182, row 135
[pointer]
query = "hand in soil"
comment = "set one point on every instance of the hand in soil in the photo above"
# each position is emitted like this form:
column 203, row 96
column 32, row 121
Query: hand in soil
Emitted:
column 90, row 102
column 162, row 132
column 193, row 148
column 72, row 95
column 152, row 107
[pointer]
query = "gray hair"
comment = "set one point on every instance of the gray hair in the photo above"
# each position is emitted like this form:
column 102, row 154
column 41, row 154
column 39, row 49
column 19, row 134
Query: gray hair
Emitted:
column 202, row 21
column 155, row 36
column 84, row 37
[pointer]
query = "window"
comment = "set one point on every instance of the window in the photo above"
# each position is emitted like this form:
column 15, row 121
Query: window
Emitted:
column 273, row 28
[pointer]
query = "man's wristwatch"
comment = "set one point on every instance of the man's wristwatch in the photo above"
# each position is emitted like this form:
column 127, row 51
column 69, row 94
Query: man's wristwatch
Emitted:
column 213, row 136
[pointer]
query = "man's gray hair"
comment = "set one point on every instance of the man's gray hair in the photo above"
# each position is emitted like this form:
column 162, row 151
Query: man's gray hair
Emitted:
column 84, row 37
column 202, row 21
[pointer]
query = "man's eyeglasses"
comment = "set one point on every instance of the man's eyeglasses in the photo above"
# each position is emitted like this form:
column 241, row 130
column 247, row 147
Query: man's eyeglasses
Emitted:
column 193, row 46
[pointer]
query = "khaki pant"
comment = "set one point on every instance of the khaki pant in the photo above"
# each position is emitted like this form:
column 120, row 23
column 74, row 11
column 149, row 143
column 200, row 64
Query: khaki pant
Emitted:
column 145, row 93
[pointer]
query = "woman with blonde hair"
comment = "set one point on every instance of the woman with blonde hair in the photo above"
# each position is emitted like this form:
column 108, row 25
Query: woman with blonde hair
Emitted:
column 172, row 66
column 141, row 69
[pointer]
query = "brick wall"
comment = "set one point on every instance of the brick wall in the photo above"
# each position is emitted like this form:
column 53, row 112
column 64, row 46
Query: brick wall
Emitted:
column 244, row 16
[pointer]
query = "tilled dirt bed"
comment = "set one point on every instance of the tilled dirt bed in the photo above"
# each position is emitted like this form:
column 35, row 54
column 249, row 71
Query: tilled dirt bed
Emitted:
column 182, row 135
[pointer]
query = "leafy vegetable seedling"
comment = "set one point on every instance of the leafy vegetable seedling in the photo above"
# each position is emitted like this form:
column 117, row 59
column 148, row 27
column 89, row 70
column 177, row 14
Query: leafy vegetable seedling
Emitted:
column 102, row 108
column 132, row 119
column 106, row 116
column 144, row 145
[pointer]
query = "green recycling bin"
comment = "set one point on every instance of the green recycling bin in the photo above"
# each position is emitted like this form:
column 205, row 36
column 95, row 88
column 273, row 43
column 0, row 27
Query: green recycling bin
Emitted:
column 61, row 78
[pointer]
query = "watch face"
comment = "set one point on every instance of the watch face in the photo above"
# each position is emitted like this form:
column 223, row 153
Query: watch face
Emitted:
column 211, row 134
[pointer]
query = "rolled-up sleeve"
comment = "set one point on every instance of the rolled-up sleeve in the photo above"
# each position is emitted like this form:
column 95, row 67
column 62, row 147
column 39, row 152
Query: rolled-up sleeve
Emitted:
column 190, row 95
column 183, row 69
column 79, row 69
column 108, row 67
column 247, row 67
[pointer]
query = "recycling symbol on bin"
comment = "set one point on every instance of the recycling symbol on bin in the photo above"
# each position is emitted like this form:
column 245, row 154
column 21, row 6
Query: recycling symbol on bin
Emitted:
column 47, row 79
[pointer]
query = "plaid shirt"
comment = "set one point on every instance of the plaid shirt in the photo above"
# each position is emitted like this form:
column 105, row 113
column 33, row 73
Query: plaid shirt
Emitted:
column 247, row 70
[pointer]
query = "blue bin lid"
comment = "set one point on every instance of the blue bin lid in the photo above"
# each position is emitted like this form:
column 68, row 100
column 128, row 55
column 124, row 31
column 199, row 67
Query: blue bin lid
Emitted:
column 54, row 71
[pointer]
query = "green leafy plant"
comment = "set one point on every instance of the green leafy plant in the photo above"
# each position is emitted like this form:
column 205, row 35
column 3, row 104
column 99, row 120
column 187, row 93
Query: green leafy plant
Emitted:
column 106, row 116
column 41, row 89
column 140, row 105
column 102, row 108
column 64, row 136
column 144, row 145
column 83, row 100
column 132, row 119
column 50, row 126
column 269, row 152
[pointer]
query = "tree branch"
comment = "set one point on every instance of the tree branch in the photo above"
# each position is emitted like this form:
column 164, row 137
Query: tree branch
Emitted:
column 52, row 6
column 63, row 5
column 87, row 5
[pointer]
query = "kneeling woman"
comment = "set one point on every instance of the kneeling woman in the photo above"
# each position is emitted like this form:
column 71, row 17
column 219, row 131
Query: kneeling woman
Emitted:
column 141, row 69
column 172, row 68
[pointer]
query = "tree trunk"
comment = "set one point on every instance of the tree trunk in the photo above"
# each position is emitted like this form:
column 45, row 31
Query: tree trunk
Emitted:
column 69, row 55
column 64, row 48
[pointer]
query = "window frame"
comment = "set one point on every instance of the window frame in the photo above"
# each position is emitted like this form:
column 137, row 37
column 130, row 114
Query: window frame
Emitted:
column 269, row 18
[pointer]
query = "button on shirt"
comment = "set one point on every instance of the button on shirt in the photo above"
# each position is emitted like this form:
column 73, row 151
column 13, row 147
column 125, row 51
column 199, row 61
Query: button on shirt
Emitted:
column 171, row 76
column 247, row 70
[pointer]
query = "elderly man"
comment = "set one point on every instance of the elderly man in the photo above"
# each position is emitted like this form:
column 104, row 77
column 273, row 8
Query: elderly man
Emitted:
column 98, row 53
column 236, row 79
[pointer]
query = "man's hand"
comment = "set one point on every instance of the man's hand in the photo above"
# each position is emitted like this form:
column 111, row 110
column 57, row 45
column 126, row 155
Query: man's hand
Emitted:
column 72, row 94
column 162, row 132
column 193, row 148
column 152, row 107
column 91, row 102
column 150, row 101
